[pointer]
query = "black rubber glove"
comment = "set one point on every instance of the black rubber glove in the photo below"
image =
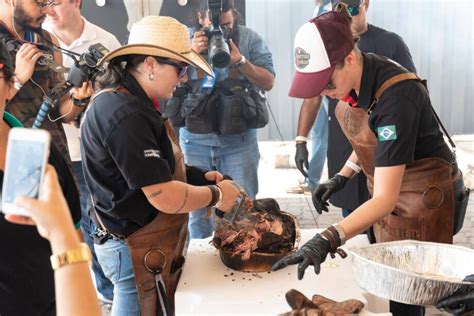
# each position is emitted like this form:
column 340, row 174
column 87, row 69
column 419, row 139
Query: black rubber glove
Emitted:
column 459, row 303
column 301, row 158
column 314, row 252
column 325, row 190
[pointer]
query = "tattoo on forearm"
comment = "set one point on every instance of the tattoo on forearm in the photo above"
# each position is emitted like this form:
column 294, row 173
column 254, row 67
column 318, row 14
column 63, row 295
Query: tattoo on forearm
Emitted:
column 153, row 195
column 184, row 201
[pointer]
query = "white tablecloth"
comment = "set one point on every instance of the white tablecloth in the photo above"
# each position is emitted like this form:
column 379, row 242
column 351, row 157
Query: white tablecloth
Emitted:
column 207, row 286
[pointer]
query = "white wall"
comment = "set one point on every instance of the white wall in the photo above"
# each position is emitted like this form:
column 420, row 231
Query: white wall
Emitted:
column 439, row 34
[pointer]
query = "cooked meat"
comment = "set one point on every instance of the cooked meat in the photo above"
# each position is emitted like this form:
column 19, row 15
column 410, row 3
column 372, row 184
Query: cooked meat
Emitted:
column 264, row 231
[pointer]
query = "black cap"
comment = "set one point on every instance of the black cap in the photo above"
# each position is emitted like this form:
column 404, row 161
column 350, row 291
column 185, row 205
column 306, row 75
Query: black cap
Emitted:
column 5, row 60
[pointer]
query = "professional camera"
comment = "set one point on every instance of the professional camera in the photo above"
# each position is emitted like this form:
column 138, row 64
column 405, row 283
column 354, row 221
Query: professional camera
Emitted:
column 219, row 53
column 85, row 67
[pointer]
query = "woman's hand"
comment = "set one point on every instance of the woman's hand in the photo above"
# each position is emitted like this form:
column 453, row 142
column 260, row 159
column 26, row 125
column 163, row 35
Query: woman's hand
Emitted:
column 214, row 176
column 25, row 62
column 50, row 213
column 230, row 194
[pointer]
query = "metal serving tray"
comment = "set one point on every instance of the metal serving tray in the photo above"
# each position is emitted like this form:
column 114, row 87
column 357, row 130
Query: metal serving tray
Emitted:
column 413, row 272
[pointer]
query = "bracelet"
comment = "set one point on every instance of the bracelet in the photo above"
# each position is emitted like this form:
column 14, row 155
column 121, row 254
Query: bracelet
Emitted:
column 80, row 103
column 81, row 254
column 16, row 83
column 353, row 166
column 341, row 233
column 219, row 199
column 214, row 195
column 301, row 139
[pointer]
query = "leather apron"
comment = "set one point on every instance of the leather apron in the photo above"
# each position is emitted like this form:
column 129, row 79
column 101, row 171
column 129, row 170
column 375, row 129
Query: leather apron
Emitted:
column 157, row 248
column 425, row 206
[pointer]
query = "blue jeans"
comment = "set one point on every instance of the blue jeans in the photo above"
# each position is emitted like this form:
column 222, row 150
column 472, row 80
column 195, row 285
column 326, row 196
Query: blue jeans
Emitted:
column 104, row 286
column 115, row 259
column 319, row 136
column 240, row 162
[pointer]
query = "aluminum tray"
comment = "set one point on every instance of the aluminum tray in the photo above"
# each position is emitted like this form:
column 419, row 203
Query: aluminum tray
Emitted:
column 413, row 272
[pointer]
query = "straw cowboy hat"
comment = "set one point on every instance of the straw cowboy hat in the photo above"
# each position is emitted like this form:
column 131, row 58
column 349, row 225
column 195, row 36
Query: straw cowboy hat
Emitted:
column 160, row 36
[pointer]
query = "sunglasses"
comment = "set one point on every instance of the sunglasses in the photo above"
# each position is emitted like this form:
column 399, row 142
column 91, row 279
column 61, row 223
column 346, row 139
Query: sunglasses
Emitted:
column 46, row 4
column 355, row 10
column 181, row 68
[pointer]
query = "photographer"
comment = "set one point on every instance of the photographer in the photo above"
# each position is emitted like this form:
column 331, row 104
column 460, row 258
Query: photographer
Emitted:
column 220, row 142
column 76, row 34
column 26, row 276
column 22, row 20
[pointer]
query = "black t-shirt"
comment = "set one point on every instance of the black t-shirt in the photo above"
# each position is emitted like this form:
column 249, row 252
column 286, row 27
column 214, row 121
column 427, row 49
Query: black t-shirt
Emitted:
column 26, row 276
column 403, row 119
column 124, row 148
column 381, row 42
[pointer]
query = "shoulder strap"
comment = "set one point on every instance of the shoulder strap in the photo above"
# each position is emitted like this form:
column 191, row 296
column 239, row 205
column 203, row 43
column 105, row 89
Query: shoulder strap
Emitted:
column 401, row 77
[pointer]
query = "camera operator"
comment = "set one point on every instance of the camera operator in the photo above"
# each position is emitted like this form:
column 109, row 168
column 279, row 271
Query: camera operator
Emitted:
column 26, row 275
column 76, row 34
column 22, row 20
column 234, row 154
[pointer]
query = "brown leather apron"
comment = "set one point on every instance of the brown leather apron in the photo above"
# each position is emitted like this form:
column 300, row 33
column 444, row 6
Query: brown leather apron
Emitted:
column 157, row 248
column 425, row 206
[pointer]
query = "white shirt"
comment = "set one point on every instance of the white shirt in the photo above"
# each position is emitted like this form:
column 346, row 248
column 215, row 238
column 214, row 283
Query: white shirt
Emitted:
column 91, row 34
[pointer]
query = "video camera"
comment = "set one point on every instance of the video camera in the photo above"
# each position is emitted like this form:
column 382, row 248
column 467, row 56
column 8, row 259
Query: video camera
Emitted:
column 85, row 66
column 84, row 69
column 219, row 53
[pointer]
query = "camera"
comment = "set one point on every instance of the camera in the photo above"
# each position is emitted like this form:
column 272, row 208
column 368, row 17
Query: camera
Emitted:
column 219, row 53
column 85, row 67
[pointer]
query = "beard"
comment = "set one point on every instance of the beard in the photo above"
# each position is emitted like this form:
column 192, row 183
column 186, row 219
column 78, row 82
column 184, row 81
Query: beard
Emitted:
column 25, row 21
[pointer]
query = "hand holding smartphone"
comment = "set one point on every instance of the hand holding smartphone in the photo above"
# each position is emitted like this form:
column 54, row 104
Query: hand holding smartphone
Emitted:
column 26, row 159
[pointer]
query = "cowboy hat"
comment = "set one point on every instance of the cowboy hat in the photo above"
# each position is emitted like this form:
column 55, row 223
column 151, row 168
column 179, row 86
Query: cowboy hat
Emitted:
column 161, row 36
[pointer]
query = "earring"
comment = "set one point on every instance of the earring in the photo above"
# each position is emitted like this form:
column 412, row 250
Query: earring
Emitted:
column 151, row 76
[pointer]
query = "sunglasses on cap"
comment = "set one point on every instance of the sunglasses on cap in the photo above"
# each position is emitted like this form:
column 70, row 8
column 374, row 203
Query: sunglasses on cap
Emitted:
column 46, row 4
column 180, row 68
column 352, row 9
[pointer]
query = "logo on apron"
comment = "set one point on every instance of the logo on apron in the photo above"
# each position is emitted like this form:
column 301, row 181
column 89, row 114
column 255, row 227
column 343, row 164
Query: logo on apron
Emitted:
column 388, row 132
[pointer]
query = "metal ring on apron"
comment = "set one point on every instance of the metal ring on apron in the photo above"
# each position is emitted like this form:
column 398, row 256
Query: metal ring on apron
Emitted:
column 433, row 196
column 158, row 251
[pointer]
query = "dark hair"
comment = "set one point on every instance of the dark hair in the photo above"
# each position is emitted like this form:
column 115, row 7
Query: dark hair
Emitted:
column 6, row 60
column 117, row 69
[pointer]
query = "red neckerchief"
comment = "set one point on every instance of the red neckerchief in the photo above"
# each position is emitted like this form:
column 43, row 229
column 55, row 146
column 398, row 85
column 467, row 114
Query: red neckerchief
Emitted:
column 349, row 99
column 156, row 104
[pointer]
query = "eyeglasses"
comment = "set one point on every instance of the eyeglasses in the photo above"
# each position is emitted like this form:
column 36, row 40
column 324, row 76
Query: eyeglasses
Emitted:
column 46, row 4
column 355, row 10
column 181, row 68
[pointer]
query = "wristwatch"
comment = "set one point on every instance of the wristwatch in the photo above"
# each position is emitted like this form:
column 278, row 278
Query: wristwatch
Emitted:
column 16, row 83
column 242, row 61
column 81, row 254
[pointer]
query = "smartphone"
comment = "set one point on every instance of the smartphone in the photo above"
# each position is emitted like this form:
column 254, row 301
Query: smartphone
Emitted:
column 25, row 164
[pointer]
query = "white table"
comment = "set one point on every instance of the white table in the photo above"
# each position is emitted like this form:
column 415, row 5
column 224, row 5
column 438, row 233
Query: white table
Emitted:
column 207, row 286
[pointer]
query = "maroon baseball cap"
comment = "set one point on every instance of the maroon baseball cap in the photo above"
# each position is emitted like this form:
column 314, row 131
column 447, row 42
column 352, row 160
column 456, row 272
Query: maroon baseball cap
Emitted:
column 319, row 45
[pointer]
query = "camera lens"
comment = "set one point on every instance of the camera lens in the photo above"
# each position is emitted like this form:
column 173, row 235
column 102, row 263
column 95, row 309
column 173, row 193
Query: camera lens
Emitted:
column 219, row 52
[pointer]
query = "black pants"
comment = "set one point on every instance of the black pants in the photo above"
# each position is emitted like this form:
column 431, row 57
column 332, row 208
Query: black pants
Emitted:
column 400, row 309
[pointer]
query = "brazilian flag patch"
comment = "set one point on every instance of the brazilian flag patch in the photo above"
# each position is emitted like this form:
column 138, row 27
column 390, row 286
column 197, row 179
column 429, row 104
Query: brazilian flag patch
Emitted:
column 388, row 132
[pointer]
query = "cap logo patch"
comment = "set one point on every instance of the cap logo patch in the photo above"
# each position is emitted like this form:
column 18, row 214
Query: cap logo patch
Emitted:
column 301, row 58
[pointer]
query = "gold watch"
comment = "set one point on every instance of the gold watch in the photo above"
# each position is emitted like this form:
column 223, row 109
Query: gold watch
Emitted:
column 81, row 254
